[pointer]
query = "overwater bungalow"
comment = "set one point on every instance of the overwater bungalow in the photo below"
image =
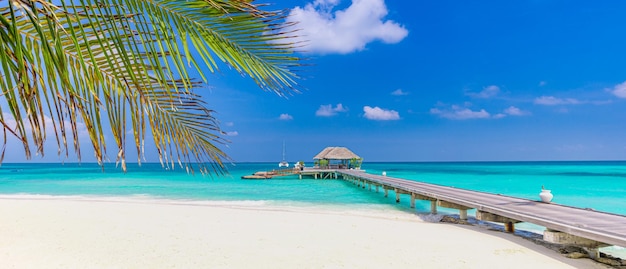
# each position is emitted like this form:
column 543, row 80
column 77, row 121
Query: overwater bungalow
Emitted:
column 337, row 158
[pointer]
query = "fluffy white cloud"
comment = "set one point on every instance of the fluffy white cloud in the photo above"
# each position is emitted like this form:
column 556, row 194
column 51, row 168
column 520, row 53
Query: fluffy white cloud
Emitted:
column 514, row 111
column 399, row 92
column 377, row 113
column 285, row 116
column 619, row 90
column 456, row 112
column 230, row 124
column 10, row 120
column 325, row 30
column 329, row 110
column 553, row 101
column 460, row 113
column 487, row 92
column 232, row 133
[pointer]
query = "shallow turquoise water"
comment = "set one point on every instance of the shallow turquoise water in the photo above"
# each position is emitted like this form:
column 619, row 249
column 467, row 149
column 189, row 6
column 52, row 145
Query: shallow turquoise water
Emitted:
column 597, row 185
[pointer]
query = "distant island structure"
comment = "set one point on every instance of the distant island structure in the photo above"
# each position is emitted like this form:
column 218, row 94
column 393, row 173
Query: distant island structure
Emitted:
column 325, row 164
column 337, row 158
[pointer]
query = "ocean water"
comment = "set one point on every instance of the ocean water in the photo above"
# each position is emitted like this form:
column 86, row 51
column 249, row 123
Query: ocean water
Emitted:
column 597, row 185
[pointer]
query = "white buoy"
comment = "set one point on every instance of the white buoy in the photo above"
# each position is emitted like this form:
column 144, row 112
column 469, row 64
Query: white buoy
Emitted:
column 384, row 173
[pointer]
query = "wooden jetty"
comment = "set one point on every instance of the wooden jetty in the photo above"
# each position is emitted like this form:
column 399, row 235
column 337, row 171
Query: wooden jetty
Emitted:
column 565, row 224
column 272, row 174
column 316, row 173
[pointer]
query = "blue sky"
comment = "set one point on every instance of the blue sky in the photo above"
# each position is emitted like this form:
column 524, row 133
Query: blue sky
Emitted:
column 444, row 81
column 398, row 80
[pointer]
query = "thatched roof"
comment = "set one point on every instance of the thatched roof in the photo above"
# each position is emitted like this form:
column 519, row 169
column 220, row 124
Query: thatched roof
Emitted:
column 336, row 153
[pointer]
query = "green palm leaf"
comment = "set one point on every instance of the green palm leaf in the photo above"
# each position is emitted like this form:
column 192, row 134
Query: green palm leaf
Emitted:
column 125, row 64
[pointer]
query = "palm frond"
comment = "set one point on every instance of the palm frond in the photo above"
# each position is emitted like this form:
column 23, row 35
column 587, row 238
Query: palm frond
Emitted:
column 124, row 64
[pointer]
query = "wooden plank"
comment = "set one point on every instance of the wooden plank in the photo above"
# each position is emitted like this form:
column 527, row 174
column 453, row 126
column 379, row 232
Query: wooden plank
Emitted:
column 595, row 225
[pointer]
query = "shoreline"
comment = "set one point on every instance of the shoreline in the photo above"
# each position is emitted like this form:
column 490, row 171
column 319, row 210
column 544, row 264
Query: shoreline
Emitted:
column 101, row 232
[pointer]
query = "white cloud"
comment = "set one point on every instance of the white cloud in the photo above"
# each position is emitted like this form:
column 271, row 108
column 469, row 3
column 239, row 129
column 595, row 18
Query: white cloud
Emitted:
column 487, row 92
column 620, row 90
column 9, row 119
column 456, row 112
column 285, row 116
column 460, row 113
column 377, row 113
column 230, row 124
column 514, row 111
column 553, row 101
column 232, row 133
column 542, row 83
column 325, row 30
column 329, row 110
column 399, row 92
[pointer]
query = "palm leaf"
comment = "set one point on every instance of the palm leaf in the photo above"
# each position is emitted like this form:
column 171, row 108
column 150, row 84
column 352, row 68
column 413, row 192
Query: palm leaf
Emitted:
column 124, row 64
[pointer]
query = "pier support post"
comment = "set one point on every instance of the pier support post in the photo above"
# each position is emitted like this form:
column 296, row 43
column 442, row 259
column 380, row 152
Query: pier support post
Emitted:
column 376, row 188
column 509, row 224
column 370, row 185
column 594, row 253
column 386, row 192
column 397, row 195
column 433, row 206
column 412, row 200
column 509, row 227
column 463, row 214
column 591, row 246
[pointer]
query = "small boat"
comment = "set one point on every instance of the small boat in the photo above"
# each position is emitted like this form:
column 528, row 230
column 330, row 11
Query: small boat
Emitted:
column 283, row 163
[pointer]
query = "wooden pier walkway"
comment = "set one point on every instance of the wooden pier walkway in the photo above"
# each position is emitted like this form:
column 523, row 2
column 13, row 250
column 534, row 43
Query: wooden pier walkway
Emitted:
column 565, row 224
column 272, row 174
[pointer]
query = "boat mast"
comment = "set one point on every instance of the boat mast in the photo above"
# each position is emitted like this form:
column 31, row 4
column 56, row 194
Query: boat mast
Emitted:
column 283, row 150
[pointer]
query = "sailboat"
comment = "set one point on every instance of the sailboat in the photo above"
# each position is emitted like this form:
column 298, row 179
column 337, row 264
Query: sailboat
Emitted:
column 283, row 163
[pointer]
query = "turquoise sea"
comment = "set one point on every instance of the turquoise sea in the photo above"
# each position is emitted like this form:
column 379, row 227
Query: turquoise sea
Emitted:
column 597, row 185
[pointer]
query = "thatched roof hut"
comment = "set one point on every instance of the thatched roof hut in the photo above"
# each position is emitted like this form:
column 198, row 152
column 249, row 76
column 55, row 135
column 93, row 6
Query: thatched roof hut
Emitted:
column 336, row 153
column 338, row 157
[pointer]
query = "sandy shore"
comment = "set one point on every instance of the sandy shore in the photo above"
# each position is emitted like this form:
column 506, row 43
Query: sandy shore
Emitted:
column 67, row 233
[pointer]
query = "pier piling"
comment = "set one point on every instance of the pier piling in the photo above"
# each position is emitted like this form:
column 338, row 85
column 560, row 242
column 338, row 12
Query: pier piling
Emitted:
column 433, row 206
column 397, row 195
column 463, row 214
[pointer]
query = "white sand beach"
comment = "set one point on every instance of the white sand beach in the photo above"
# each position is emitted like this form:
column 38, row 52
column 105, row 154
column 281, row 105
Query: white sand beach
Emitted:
column 88, row 233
